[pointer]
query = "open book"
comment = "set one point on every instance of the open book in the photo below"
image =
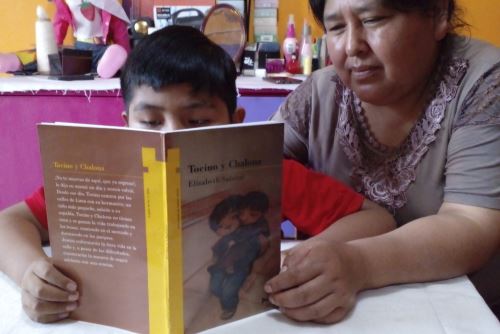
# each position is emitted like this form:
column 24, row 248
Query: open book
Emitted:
column 164, row 232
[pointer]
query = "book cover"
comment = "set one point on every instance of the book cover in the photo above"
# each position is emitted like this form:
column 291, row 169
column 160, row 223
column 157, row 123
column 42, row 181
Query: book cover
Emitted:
column 265, row 21
column 266, row 4
column 164, row 232
column 265, row 37
column 266, row 12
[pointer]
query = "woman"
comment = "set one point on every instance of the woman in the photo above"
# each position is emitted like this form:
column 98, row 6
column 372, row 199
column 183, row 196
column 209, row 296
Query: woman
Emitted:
column 409, row 115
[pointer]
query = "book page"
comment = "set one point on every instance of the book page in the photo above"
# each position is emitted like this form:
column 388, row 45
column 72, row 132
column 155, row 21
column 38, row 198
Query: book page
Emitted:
column 92, row 211
column 225, row 170
column 96, row 212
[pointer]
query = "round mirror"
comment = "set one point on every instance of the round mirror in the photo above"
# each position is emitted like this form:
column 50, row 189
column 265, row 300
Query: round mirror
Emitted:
column 225, row 26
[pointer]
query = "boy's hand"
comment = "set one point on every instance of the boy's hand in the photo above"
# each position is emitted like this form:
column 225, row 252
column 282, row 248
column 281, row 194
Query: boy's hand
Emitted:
column 47, row 295
column 264, row 243
column 318, row 282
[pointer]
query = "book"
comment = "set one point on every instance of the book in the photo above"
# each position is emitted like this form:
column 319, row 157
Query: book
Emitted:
column 266, row 12
column 266, row 4
column 265, row 21
column 131, row 219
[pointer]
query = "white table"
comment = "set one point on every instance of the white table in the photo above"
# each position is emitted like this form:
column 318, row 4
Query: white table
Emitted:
column 451, row 307
column 445, row 307
column 40, row 82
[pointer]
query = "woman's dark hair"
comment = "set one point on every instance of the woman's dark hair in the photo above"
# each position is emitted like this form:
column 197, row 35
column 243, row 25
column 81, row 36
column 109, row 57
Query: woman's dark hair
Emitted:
column 180, row 55
column 428, row 7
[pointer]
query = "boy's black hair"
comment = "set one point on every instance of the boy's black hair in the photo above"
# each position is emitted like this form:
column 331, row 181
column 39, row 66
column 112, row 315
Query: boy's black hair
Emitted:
column 256, row 200
column 224, row 207
column 180, row 55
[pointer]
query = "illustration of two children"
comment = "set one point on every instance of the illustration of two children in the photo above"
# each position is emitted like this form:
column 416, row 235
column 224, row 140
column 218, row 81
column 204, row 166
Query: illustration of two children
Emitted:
column 240, row 222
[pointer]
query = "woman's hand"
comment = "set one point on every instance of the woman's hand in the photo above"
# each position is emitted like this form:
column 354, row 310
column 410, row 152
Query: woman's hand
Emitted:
column 318, row 282
column 47, row 295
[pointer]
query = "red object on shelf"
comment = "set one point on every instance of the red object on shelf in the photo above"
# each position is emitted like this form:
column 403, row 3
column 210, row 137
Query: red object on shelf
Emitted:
column 293, row 66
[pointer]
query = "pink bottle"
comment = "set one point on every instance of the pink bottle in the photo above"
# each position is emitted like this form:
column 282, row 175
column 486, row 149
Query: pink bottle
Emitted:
column 291, row 48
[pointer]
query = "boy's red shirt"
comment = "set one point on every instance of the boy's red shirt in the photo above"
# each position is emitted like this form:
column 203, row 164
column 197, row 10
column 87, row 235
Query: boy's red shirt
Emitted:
column 36, row 203
column 311, row 201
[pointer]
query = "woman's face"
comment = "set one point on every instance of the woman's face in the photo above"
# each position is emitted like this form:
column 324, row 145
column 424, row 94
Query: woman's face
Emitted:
column 381, row 54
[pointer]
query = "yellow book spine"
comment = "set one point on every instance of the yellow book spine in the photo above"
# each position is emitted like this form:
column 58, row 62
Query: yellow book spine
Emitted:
column 174, row 259
column 163, row 239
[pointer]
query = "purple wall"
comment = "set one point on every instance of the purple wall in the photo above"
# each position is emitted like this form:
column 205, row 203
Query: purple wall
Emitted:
column 20, row 170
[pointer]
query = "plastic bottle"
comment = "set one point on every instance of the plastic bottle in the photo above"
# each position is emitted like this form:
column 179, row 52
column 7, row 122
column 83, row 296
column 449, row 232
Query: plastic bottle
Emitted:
column 45, row 40
column 316, row 43
column 323, row 53
column 291, row 48
column 306, row 52
column 303, row 41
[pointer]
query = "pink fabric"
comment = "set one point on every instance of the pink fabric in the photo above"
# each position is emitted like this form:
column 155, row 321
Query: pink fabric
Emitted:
column 9, row 62
column 111, row 61
column 113, row 28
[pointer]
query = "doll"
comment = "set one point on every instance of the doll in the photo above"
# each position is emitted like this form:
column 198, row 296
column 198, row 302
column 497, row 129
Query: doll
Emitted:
column 95, row 24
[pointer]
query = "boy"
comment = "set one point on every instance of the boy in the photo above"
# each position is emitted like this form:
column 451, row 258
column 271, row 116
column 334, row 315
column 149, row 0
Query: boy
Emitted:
column 240, row 222
column 176, row 78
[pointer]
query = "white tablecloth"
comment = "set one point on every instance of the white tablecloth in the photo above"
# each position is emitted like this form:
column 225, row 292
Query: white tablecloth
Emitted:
column 39, row 82
column 445, row 307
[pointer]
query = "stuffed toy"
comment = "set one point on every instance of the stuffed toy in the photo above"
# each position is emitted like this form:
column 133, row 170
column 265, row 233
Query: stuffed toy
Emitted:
column 95, row 24
column 98, row 25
